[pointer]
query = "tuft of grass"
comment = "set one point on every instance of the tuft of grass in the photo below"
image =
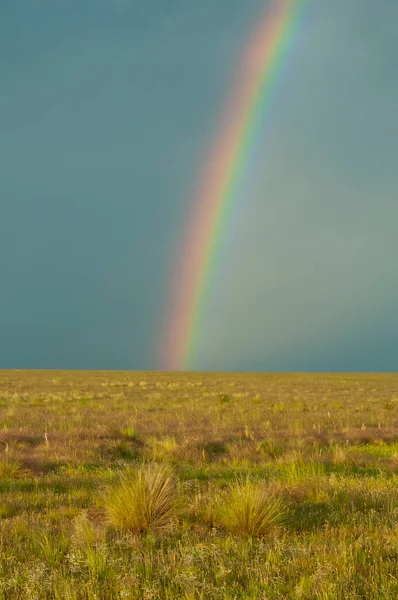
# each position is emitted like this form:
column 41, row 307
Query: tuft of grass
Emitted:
column 53, row 549
column 143, row 500
column 131, row 433
column 97, row 560
column 214, row 448
column 125, row 451
column 7, row 510
column 11, row 469
column 86, row 534
column 389, row 405
column 161, row 448
column 273, row 448
column 84, row 400
column 249, row 509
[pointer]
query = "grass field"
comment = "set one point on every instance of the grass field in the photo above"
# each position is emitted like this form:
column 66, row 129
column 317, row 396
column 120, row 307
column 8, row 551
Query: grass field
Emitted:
column 198, row 486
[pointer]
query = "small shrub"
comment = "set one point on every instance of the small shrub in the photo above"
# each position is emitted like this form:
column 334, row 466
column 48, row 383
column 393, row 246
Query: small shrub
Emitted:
column 214, row 448
column 249, row 509
column 122, row 449
column 224, row 398
column 389, row 405
column 143, row 500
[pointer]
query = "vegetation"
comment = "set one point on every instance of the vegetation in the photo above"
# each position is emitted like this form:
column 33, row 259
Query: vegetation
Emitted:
column 145, row 499
column 248, row 509
column 198, row 486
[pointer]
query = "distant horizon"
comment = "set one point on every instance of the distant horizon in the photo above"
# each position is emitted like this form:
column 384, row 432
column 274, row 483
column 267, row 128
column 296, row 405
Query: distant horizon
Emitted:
column 205, row 372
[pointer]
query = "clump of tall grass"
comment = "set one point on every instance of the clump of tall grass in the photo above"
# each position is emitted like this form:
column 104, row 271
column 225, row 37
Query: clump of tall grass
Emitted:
column 146, row 499
column 11, row 469
column 248, row 508
column 53, row 548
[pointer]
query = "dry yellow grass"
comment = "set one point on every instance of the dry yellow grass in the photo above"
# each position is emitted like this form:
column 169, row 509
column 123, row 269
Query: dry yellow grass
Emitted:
column 145, row 499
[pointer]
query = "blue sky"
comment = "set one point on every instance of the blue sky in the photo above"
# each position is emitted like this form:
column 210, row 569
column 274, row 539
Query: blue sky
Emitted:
column 107, row 110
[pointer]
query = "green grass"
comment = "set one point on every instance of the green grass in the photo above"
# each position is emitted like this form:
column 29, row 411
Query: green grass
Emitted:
column 198, row 486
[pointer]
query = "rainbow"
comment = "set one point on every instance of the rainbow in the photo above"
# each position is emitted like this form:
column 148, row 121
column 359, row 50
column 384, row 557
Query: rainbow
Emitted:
column 261, row 64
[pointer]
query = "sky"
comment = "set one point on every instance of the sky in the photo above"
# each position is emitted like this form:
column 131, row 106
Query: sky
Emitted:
column 107, row 109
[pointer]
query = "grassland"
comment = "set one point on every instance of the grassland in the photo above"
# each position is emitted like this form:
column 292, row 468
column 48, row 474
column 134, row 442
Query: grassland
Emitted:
column 324, row 448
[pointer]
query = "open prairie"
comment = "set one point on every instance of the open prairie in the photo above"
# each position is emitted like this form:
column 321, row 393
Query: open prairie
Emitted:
column 198, row 486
